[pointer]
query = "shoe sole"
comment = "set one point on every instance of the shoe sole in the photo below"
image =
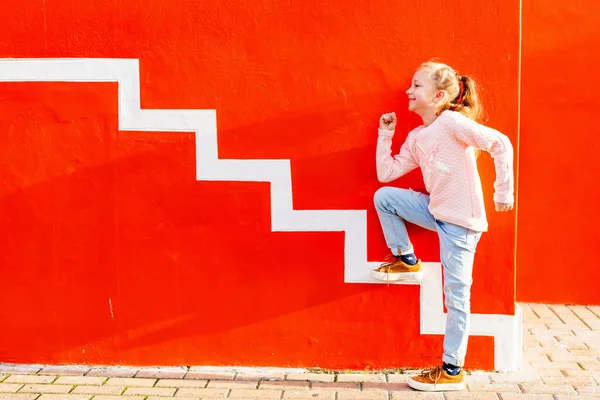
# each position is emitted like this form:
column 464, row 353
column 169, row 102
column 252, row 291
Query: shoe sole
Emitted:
column 443, row 387
column 397, row 276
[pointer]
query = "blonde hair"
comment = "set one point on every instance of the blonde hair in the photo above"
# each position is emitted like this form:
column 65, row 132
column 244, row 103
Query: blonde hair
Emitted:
column 461, row 90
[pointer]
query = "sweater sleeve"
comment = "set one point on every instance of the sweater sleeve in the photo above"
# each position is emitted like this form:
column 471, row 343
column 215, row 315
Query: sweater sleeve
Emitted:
column 390, row 168
column 498, row 145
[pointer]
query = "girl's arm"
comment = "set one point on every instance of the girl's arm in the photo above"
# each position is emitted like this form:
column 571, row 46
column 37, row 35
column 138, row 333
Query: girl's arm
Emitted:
column 499, row 147
column 388, row 167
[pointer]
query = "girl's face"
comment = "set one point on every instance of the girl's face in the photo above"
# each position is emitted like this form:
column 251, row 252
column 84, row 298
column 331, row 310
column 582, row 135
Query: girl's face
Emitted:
column 421, row 94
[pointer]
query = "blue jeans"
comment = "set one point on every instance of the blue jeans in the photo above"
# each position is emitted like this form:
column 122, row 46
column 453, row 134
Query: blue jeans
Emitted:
column 457, row 252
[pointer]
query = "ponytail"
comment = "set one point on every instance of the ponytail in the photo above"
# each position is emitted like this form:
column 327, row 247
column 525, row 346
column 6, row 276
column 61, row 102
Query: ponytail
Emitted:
column 467, row 102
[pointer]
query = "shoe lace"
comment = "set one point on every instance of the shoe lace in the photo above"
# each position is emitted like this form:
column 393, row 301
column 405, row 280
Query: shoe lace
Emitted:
column 433, row 374
column 388, row 265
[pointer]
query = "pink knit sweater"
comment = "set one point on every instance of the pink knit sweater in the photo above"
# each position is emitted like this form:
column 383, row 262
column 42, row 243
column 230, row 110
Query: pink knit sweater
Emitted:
column 445, row 152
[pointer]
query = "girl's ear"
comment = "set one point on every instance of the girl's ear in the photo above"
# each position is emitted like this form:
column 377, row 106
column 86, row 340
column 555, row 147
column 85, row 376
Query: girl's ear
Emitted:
column 439, row 96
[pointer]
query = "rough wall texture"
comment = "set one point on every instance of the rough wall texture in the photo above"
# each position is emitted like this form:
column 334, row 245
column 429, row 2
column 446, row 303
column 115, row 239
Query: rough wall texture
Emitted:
column 114, row 253
column 560, row 166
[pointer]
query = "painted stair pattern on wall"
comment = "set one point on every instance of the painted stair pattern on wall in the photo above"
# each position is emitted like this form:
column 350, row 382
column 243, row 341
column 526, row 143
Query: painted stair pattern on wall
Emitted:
column 506, row 329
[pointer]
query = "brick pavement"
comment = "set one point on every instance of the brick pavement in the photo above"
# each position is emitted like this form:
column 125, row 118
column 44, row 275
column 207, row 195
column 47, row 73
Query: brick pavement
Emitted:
column 561, row 362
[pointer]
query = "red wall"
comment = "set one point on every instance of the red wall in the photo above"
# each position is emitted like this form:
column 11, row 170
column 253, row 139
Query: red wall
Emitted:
column 558, row 220
column 112, row 252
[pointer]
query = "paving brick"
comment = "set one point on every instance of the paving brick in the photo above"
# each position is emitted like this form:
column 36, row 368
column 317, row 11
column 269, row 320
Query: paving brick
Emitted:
column 542, row 310
column 10, row 387
column 347, row 394
column 412, row 395
column 169, row 373
column 561, row 309
column 146, row 391
column 256, row 394
column 573, row 320
column 552, row 389
column 232, row 384
column 118, row 398
column 412, row 372
column 531, row 357
column 571, row 397
column 560, row 347
column 46, row 389
column 572, row 358
column 580, row 372
column 565, row 331
column 537, row 323
column 29, row 379
column 550, row 373
column 398, row 378
column 478, row 378
column 547, row 351
column 209, row 376
column 260, row 376
column 20, row 368
column 578, row 347
column 471, row 396
column 593, row 344
column 65, row 397
column 200, row 392
column 571, row 340
column 521, row 396
column 228, row 398
column 531, row 345
column 214, row 370
column 309, row 394
column 585, row 389
column 385, row 386
column 103, row 389
column 494, row 387
column 583, row 312
column 311, row 377
column 18, row 396
column 587, row 333
column 178, row 398
column 140, row 382
column 542, row 339
column 516, row 377
column 181, row 383
column 595, row 310
column 564, row 380
column 584, row 352
column 336, row 385
column 80, row 380
column 64, row 370
column 113, row 372
column 361, row 378
column 555, row 365
column 284, row 385
column 591, row 366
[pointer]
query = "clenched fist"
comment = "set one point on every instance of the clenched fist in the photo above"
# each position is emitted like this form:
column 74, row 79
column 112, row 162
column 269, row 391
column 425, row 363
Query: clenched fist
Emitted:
column 388, row 121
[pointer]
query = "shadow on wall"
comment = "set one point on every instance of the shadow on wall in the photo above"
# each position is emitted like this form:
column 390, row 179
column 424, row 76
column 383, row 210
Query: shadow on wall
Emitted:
column 115, row 254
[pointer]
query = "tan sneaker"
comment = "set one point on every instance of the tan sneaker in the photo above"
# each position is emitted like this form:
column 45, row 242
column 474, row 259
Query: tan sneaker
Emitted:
column 397, row 270
column 437, row 380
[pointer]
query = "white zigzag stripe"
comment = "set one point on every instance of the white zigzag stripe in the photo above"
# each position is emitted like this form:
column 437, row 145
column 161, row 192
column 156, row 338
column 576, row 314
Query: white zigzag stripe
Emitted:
column 506, row 329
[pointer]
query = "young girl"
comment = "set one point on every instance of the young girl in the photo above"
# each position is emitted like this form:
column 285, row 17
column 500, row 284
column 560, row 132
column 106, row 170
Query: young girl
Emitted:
column 445, row 149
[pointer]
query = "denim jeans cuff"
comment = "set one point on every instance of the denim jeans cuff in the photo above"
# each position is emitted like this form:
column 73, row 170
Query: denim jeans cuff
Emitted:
column 453, row 361
column 403, row 251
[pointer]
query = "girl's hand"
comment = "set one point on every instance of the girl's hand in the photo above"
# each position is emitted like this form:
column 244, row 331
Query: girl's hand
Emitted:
column 500, row 207
column 388, row 121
